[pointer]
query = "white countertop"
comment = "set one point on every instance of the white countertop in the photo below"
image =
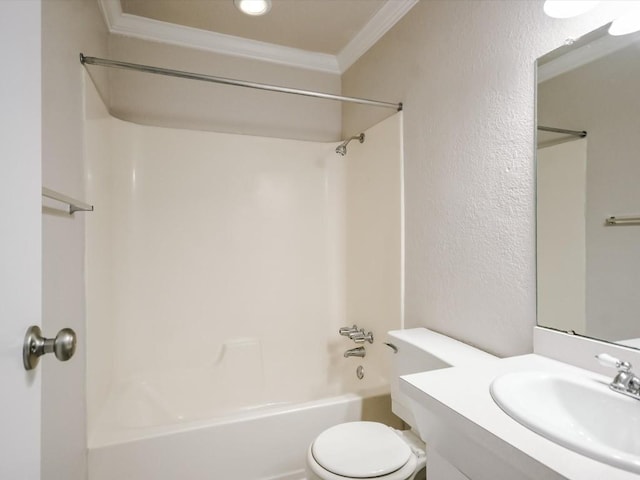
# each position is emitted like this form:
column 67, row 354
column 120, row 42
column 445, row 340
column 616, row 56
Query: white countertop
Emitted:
column 458, row 401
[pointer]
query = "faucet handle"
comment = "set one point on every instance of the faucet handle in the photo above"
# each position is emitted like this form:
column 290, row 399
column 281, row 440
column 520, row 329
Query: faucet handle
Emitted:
column 348, row 331
column 361, row 337
column 612, row 362
column 357, row 336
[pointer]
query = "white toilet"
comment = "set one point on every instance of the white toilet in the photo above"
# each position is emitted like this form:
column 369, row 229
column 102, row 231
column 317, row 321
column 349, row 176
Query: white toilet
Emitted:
column 370, row 450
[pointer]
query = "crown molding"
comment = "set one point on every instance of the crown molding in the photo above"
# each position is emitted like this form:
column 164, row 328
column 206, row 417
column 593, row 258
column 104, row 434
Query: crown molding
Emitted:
column 390, row 13
column 120, row 23
column 111, row 10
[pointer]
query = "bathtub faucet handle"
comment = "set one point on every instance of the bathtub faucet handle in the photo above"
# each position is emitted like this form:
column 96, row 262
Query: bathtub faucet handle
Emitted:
column 347, row 331
column 361, row 337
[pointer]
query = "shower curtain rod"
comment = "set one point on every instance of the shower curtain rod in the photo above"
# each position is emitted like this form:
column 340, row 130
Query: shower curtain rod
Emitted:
column 577, row 133
column 103, row 62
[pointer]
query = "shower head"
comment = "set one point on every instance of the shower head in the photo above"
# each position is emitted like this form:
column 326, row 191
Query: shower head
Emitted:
column 342, row 148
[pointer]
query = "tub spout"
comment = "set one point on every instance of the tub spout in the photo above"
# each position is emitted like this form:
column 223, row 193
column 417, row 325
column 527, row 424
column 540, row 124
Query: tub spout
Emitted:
column 355, row 352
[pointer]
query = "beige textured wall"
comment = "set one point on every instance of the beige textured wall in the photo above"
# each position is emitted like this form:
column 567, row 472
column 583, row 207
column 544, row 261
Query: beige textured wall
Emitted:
column 465, row 70
column 68, row 27
column 180, row 103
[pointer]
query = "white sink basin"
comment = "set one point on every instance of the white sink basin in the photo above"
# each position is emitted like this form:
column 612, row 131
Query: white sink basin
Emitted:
column 581, row 414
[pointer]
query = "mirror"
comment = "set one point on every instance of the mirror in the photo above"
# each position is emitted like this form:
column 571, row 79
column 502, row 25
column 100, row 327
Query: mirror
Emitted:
column 588, row 263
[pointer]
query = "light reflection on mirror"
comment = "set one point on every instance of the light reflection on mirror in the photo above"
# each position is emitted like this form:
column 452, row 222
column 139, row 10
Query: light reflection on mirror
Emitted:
column 588, row 270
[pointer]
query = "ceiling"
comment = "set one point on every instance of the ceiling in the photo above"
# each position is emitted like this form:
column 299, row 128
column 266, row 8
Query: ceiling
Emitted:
column 325, row 35
column 324, row 26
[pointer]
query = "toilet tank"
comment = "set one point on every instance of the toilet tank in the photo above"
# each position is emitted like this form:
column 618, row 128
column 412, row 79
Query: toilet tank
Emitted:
column 419, row 350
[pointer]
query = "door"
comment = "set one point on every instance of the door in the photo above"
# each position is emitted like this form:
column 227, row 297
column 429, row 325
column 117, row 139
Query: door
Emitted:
column 20, row 232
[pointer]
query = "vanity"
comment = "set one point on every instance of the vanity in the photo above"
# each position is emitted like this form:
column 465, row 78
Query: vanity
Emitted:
column 469, row 436
column 551, row 414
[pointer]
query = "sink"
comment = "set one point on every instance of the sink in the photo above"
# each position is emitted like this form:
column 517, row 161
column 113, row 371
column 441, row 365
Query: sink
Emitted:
column 580, row 413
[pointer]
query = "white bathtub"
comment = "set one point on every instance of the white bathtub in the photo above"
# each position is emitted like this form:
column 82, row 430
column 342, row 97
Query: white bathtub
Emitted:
column 257, row 444
column 242, row 416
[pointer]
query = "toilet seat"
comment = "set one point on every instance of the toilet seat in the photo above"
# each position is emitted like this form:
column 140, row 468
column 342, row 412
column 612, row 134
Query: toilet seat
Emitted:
column 361, row 450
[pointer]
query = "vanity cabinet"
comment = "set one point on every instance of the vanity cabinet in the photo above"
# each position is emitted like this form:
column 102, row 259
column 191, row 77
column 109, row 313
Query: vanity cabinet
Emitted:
column 469, row 436
column 438, row 468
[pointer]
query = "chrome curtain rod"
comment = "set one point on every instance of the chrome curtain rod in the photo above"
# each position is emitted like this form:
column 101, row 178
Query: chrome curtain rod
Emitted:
column 103, row 62
column 577, row 133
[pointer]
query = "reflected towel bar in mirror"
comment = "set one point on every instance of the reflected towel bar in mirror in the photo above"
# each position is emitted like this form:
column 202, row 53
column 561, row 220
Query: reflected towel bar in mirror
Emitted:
column 623, row 221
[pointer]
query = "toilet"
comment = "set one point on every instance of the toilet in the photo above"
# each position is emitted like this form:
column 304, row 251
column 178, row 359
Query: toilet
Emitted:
column 372, row 450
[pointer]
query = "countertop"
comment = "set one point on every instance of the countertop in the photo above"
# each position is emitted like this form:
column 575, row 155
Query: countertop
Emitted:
column 461, row 420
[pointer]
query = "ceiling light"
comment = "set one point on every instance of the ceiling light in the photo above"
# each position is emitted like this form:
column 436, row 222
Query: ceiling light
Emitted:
column 253, row 7
column 567, row 8
column 627, row 23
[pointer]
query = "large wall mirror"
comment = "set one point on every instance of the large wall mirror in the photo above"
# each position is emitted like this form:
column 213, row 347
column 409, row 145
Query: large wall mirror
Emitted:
column 588, row 188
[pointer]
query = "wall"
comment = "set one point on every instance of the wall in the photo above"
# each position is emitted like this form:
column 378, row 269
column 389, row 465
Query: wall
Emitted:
column 601, row 98
column 172, row 102
column 465, row 71
column 68, row 27
column 20, row 235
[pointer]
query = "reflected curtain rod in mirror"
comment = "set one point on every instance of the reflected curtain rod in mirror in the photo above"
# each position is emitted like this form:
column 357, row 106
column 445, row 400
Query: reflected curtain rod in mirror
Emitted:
column 577, row 133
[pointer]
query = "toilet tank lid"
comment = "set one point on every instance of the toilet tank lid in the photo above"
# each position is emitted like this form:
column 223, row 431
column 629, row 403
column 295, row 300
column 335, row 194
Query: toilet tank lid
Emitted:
column 450, row 351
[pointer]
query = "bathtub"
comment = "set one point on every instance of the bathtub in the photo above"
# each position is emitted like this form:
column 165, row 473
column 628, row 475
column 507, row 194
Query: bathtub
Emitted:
column 239, row 417
column 267, row 442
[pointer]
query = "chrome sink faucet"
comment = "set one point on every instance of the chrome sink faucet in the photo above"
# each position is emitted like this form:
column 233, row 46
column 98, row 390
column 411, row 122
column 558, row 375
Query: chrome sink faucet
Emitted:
column 625, row 381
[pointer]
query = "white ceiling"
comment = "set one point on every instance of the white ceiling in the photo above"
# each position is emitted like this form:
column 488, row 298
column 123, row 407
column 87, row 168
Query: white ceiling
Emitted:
column 324, row 26
column 325, row 35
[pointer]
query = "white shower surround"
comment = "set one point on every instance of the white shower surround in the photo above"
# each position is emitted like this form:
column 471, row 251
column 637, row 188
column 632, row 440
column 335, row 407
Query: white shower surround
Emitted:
column 219, row 269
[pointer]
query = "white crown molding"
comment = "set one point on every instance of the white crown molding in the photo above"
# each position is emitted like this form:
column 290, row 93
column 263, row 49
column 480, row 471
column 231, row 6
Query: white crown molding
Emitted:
column 111, row 12
column 390, row 13
column 120, row 23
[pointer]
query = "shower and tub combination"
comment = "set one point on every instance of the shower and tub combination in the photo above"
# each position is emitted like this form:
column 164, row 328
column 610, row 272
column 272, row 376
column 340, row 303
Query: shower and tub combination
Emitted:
column 220, row 269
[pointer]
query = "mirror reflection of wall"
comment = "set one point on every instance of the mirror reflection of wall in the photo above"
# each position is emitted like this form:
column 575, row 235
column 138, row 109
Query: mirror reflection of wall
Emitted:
column 588, row 272
column 561, row 241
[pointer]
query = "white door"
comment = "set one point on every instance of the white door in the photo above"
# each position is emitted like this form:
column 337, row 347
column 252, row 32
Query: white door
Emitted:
column 20, row 232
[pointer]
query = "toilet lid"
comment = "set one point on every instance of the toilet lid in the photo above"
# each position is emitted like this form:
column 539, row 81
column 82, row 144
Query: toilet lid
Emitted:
column 360, row 450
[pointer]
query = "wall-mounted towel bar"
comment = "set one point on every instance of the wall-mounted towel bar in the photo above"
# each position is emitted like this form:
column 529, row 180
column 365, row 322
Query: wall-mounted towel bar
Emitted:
column 623, row 221
column 74, row 205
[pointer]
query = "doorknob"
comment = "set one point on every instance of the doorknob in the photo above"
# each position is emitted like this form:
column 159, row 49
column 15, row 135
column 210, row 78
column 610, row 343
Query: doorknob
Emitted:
column 35, row 345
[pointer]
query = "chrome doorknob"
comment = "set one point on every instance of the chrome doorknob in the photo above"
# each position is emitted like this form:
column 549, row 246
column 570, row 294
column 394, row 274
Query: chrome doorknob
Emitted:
column 63, row 346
